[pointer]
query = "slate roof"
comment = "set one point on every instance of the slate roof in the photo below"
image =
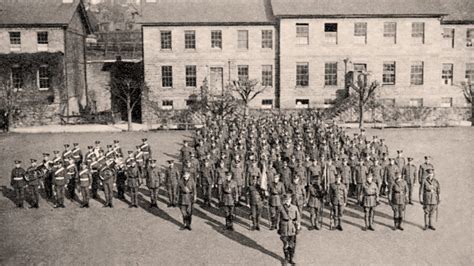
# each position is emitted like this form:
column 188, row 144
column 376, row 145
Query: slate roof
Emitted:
column 39, row 13
column 355, row 8
column 207, row 12
column 459, row 11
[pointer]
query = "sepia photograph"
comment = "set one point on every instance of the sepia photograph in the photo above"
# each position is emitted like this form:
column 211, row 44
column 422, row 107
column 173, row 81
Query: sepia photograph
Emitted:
column 236, row 132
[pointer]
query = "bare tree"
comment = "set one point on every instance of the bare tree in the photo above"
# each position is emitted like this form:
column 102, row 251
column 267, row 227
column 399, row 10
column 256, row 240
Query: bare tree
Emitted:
column 365, row 93
column 129, row 92
column 247, row 89
column 468, row 90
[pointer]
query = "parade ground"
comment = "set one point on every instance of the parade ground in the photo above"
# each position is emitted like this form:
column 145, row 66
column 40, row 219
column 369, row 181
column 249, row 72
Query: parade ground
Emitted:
column 144, row 236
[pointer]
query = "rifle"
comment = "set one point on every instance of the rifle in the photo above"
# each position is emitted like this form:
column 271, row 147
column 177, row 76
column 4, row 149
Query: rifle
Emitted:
column 321, row 213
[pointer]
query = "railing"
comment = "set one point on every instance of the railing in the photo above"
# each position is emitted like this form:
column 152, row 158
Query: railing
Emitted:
column 109, row 45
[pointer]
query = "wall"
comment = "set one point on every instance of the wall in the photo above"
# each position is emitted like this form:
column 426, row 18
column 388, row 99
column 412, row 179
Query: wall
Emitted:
column 204, row 57
column 29, row 42
column 98, row 79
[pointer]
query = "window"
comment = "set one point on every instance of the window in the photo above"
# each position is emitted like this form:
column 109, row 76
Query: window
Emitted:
column 329, row 102
column 447, row 74
column 17, row 77
column 267, row 103
column 330, row 33
column 216, row 39
column 267, row 39
column 360, row 32
column 42, row 37
column 448, row 38
column 167, row 104
column 243, row 72
column 302, row 74
column 389, row 71
column 189, row 39
column 302, row 103
column 166, row 40
column 470, row 72
column 418, row 102
column 191, row 76
column 167, row 76
column 267, row 75
column 43, row 77
column 15, row 40
column 243, row 39
column 446, row 102
column 418, row 32
column 302, row 33
column 469, row 37
column 416, row 76
column 330, row 74
column 390, row 32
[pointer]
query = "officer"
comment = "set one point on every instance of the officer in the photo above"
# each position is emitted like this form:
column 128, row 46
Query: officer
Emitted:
column 424, row 168
column 360, row 177
column 153, row 182
column 207, row 181
column 71, row 176
column 18, row 183
column 409, row 174
column 121, row 178
column 315, row 204
column 229, row 192
column 397, row 198
column 187, row 197
column 85, row 182
column 430, row 189
column 290, row 225
column 48, row 175
column 254, row 200
column 108, row 176
column 390, row 173
column 337, row 201
column 146, row 149
column 172, row 178
column 133, row 177
column 33, row 176
column 59, row 184
column 299, row 193
column 369, row 200
column 276, row 190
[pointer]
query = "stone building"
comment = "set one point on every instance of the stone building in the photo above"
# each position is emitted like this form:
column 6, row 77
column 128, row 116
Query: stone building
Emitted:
column 42, row 55
column 317, row 47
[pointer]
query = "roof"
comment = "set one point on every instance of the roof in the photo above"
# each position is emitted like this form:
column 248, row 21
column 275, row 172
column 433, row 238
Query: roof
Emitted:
column 460, row 11
column 357, row 8
column 173, row 12
column 39, row 13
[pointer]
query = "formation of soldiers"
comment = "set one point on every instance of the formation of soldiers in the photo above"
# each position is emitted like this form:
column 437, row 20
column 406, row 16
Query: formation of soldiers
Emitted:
column 282, row 164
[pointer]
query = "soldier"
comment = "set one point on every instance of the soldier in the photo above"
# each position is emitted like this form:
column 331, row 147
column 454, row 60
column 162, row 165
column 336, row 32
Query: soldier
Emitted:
column 237, row 170
column 229, row 189
column 346, row 173
column 97, row 148
column 32, row 177
column 48, row 176
column 121, row 178
column 18, row 183
column 315, row 204
column 172, row 178
column 220, row 175
column 110, row 153
column 299, row 193
column 424, row 168
column 187, row 197
column 207, row 182
column 89, row 157
column 94, row 167
column 376, row 171
column 300, row 170
column 409, row 175
column 337, row 201
column 71, row 176
column 398, row 194
column 146, row 149
column 117, row 149
column 314, row 172
column 107, row 175
column 153, row 183
column 59, row 184
column 400, row 160
column 286, row 174
column 133, row 177
column 185, row 152
column 430, row 189
column 290, row 225
column 85, row 182
column 390, row 173
column 276, row 190
column 77, row 155
column 369, row 200
column 139, row 159
column 254, row 199
column 360, row 177
column 67, row 153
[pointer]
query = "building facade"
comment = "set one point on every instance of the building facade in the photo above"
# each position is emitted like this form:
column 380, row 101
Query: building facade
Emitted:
column 419, row 51
column 42, row 55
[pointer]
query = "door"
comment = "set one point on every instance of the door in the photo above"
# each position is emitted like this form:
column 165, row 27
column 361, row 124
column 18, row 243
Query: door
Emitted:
column 216, row 83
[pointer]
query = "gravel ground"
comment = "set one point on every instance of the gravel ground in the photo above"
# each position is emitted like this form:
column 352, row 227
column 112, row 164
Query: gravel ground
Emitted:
column 146, row 236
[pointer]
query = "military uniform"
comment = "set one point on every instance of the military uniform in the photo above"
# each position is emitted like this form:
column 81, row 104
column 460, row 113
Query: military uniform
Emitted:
column 60, row 182
column 207, row 182
column 289, row 226
column 33, row 176
column 369, row 200
column 186, row 197
column 94, row 167
column 338, row 200
column 47, row 176
column 409, row 174
column 315, row 204
column 255, row 201
column 397, row 198
column 108, row 176
column 276, row 191
column 18, row 183
column 71, row 175
column 360, row 177
column 430, row 191
column 133, row 177
column 153, row 183
column 121, row 181
column 172, row 178
column 389, row 175
column 298, row 193
column 229, row 188
column 85, row 181
column 423, row 171
column 219, row 175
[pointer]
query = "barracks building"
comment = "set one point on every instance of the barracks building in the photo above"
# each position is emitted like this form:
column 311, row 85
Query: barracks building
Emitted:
column 304, row 51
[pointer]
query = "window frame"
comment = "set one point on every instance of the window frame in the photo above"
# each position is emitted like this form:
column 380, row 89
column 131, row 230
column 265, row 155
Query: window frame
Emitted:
column 40, row 37
column 360, row 31
column 167, row 104
column 331, row 34
column 190, row 44
column 16, row 80
column 191, row 76
column 166, row 42
column 418, row 31
column 449, row 34
column 417, row 78
column 267, row 103
column 40, row 78
column 243, row 72
column 267, row 75
column 469, row 37
column 267, row 39
column 167, row 80
column 447, row 75
column 390, row 31
column 302, row 33
column 469, row 72
column 389, row 74
column 304, row 103
column 15, row 41
column 330, row 78
column 216, row 39
column 302, row 74
column 242, row 39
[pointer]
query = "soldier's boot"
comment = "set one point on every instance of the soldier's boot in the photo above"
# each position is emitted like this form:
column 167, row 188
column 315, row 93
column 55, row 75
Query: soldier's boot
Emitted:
column 257, row 223
column 400, row 220
column 395, row 223
column 227, row 222
column 185, row 223
column 430, row 224
column 366, row 220
column 426, row 222
column 287, row 256
column 190, row 218
column 231, row 223
column 339, row 226
column 291, row 255
column 371, row 222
